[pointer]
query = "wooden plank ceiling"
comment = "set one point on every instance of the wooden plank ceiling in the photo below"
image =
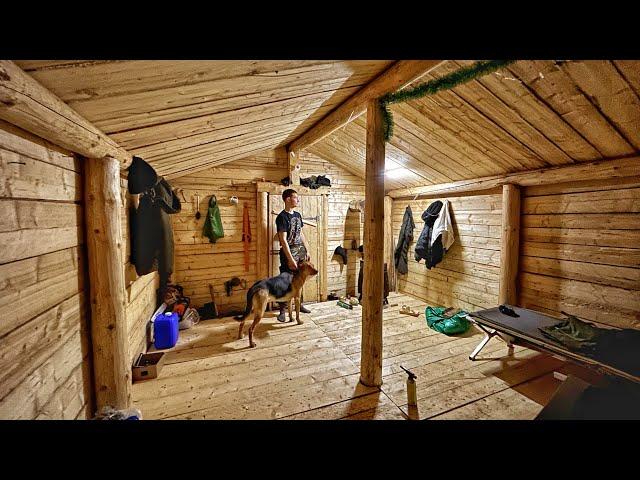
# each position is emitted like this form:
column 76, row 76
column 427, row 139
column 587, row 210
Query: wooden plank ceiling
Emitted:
column 531, row 115
column 184, row 115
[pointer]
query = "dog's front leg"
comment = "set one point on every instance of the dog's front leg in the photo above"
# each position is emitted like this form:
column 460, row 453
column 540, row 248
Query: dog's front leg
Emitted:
column 300, row 322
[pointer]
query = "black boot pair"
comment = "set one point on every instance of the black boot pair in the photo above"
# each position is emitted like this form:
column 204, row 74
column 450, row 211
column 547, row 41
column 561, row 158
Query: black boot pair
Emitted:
column 282, row 317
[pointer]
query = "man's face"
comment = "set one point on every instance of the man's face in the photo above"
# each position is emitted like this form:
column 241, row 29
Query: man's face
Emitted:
column 293, row 200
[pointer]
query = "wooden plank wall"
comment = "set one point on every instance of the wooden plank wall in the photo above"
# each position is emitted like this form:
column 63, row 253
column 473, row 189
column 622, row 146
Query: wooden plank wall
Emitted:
column 45, row 369
column 45, row 342
column 198, row 262
column 580, row 250
column 344, row 225
column 468, row 276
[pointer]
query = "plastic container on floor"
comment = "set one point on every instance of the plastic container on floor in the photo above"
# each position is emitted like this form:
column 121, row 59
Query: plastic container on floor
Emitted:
column 166, row 330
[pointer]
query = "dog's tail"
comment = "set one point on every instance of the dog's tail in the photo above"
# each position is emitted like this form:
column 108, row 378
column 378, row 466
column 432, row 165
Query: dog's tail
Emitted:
column 247, row 311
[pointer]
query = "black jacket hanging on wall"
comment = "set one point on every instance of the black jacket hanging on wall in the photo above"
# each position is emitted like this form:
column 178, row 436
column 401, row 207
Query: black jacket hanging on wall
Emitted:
column 404, row 239
column 431, row 253
column 151, row 232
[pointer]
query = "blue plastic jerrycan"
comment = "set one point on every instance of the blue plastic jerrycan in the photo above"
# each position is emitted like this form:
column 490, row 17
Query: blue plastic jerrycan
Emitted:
column 165, row 330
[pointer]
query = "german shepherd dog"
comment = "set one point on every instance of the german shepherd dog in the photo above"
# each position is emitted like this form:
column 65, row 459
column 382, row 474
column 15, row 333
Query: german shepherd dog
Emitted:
column 285, row 287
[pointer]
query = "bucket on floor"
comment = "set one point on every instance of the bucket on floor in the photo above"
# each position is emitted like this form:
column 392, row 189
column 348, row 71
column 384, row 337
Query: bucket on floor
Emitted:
column 165, row 330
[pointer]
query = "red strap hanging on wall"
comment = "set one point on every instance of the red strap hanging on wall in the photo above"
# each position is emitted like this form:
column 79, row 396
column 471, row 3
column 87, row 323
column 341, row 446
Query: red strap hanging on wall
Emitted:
column 246, row 235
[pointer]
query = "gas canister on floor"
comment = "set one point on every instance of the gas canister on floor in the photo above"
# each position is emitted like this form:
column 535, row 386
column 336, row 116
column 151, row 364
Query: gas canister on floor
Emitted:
column 165, row 329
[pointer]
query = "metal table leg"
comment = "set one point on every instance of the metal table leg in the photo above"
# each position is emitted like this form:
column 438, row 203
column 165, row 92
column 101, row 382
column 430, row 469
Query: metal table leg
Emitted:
column 487, row 336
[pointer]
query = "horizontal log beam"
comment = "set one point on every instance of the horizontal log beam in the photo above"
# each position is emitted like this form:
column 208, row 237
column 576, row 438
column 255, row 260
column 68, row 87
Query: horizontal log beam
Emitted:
column 276, row 188
column 27, row 104
column 399, row 75
column 601, row 169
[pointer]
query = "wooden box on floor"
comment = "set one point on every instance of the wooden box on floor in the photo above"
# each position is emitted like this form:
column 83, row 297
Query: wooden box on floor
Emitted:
column 148, row 366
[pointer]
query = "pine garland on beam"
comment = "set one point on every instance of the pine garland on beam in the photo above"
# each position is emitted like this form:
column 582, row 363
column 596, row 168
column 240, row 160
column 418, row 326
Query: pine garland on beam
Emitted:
column 447, row 82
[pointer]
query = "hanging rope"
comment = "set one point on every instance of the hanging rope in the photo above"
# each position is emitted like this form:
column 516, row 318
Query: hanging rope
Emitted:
column 463, row 75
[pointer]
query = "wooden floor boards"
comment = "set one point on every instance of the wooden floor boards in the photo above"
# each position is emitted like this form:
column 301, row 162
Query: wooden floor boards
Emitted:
column 311, row 371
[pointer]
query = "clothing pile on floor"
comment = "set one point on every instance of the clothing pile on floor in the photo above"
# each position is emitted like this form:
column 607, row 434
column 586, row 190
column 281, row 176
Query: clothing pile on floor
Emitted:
column 177, row 303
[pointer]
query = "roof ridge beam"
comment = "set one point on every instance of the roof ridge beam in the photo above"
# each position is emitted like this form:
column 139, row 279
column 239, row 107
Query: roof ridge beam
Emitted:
column 396, row 77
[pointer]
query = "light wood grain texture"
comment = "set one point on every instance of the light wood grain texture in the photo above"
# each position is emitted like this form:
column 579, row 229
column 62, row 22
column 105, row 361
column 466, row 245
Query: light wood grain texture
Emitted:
column 262, row 241
column 399, row 75
column 539, row 115
column 342, row 225
column 580, row 251
column 294, row 167
column 509, row 244
column 310, row 372
column 468, row 276
column 26, row 400
column 388, row 241
column 109, row 328
column 371, row 362
column 323, row 245
column 42, row 280
column 549, row 82
column 605, row 169
column 27, row 104
column 613, row 96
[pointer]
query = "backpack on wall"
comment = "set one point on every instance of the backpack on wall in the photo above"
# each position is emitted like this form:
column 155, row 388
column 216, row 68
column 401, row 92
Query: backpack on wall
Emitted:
column 213, row 223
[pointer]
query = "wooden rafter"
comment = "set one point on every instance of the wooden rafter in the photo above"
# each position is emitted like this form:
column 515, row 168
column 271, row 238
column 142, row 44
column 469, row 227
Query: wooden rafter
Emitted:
column 399, row 75
column 28, row 105
column 602, row 169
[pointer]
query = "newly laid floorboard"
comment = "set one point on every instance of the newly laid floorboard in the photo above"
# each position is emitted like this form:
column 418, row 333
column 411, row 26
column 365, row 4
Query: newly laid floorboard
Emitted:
column 311, row 371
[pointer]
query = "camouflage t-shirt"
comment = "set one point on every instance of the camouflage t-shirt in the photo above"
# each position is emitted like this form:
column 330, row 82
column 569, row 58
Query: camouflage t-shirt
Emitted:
column 292, row 224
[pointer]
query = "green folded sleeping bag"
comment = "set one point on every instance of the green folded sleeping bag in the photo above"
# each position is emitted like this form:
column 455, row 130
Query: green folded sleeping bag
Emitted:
column 449, row 326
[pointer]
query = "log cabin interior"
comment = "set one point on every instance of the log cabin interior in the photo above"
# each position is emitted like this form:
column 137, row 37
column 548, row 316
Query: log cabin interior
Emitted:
column 537, row 162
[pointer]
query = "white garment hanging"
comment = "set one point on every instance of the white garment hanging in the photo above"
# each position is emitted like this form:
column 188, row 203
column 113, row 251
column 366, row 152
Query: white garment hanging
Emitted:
column 443, row 226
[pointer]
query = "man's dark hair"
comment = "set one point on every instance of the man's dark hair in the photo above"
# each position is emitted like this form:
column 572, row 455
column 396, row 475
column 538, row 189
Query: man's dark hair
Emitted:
column 287, row 193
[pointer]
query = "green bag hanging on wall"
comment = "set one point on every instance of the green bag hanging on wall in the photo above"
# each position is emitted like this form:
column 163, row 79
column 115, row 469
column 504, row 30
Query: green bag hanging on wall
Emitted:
column 449, row 326
column 213, row 223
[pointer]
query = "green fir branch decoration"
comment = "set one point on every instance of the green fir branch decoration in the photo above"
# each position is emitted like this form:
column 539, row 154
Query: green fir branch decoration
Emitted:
column 463, row 75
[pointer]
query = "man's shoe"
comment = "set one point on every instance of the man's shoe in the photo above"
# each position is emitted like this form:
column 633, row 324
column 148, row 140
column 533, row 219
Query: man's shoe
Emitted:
column 283, row 316
column 304, row 310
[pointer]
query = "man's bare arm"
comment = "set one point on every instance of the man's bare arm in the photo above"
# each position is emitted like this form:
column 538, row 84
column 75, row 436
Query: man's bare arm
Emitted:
column 287, row 251
column 306, row 245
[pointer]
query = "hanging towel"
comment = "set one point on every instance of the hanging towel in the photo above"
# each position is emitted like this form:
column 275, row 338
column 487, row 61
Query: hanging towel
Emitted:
column 246, row 235
column 213, row 223
column 444, row 227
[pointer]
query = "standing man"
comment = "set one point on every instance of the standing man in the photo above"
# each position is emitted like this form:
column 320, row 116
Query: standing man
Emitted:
column 293, row 245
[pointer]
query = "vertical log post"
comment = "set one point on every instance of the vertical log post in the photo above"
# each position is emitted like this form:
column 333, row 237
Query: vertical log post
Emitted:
column 388, row 242
column 509, row 244
column 324, row 222
column 371, row 353
column 103, row 211
column 294, row 166
column 263, row 245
